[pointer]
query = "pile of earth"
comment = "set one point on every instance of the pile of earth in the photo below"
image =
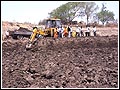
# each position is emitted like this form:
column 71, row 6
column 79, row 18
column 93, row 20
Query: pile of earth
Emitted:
column 85, row 62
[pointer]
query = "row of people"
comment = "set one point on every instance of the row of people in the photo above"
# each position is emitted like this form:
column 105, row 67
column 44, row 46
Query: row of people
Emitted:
column 69, row 32
column 87, row 32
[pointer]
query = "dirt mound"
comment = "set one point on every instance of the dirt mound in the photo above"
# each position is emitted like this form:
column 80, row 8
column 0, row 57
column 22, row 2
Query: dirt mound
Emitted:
column 88, row 62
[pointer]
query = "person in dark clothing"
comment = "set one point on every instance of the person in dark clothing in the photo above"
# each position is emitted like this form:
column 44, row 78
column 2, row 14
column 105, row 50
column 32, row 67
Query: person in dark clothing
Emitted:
column 81, row 32
column 69, row 31
column 88, row 30
column 94, row 30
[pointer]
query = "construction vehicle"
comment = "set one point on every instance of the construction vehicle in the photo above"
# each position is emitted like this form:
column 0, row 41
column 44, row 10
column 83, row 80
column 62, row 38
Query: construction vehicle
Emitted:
column 51, row 27
column 20, row 33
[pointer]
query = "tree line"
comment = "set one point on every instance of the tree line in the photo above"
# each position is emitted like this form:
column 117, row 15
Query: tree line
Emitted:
column 69, row 11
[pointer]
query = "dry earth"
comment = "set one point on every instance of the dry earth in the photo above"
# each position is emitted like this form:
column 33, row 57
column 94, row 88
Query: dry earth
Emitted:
column 87, row 62
column 83, row 62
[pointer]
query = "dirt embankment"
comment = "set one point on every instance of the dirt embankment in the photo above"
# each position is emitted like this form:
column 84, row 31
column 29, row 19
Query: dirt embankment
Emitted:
column 101, row 31
column 86, row 62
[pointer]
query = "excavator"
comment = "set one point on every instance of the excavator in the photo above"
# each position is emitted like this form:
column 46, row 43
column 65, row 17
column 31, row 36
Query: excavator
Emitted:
column 51, row 26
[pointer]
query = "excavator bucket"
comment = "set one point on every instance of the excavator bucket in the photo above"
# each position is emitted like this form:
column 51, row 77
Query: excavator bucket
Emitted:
column 28, row 46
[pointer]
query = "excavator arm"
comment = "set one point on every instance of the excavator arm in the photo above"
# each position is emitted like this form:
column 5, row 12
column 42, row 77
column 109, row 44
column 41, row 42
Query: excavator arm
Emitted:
column 33, row 35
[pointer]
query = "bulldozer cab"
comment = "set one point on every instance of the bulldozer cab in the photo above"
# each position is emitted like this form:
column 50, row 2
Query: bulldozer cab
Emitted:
column 53, row 23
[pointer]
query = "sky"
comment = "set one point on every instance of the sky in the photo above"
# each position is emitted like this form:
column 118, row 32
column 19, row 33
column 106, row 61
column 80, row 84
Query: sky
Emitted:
column 34, row 11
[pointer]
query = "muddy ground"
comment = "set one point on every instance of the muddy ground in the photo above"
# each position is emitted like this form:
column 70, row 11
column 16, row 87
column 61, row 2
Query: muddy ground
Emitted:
column 86, row 62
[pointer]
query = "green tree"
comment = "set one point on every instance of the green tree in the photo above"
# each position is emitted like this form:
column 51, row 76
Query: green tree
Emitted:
column 42, row 22
column 67, row 12
column 90, row 8
column 105, row 15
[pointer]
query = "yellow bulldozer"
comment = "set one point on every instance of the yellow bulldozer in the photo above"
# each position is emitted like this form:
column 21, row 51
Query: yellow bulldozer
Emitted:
column 51, row 26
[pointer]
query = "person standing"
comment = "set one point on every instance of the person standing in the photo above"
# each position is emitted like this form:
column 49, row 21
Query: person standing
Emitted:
column 69, row 31
column 60, row 30
column 77, row 31
column 55, row 33
column 65, row 32
column 81, row 32
column 73, row 33
column 88, row 30
column 94, row 30
column 7, row 33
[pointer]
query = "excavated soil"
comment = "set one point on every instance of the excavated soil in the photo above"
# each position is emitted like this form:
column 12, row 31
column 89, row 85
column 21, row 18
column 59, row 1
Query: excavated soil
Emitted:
column 86, row 62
